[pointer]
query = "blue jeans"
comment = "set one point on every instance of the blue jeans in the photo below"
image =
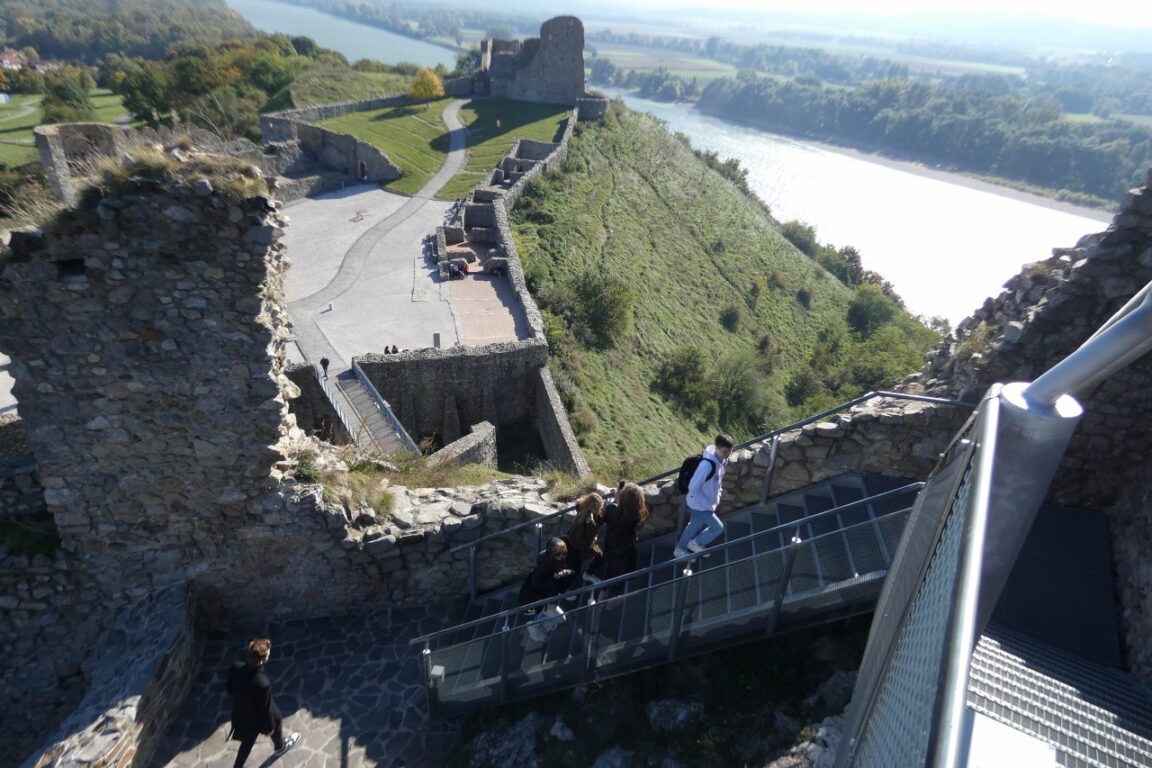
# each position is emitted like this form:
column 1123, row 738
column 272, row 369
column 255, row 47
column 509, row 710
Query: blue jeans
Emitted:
column 701, row 520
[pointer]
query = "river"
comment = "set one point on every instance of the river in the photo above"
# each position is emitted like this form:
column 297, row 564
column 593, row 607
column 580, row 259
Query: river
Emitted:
column 355, row 41
column 946, row 242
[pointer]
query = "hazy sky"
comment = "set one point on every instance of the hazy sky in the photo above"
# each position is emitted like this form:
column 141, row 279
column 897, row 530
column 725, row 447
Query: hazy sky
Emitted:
column 1126, row 13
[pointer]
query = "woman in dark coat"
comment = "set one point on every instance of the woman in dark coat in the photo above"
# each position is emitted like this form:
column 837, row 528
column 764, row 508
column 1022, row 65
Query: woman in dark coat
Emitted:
column 622, row 518
column 551, row 577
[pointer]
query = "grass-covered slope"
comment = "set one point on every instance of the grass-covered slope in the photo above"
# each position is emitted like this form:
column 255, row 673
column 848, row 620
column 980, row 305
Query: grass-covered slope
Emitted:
column 335, row 86
column 676, row 308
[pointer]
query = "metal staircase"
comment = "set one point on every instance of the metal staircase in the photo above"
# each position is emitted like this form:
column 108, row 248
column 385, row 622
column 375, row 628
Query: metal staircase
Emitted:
column 803, row 558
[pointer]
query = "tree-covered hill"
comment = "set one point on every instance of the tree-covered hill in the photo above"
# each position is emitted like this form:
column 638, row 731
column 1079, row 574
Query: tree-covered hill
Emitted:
column 88, row 30
column 675, row 306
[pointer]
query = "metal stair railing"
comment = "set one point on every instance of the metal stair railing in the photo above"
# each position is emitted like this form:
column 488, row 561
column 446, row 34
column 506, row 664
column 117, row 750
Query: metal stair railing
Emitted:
column 690, row 618
column 385, row 409
column 773, row 436
column 766, row 534
column 335, row 403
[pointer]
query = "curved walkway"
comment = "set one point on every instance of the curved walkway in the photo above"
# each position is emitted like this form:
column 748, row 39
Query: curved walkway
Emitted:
column 385, row 241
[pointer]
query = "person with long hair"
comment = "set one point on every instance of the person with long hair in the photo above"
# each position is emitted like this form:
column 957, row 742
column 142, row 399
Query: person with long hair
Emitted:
column 583, row 545
column 622, row 518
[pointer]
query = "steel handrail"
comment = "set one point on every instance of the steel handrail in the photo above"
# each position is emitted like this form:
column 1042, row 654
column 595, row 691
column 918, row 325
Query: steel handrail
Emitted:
column 740, row 446
column 384, row 408
column 333, row 401
column 780, row 528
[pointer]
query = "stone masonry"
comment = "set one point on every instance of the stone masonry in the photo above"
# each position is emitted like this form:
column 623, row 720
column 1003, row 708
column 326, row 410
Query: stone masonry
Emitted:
column 548, row 69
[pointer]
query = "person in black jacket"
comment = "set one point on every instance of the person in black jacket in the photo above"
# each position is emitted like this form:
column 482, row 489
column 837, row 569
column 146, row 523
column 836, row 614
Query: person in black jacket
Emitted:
column 253, row 710
column 621, row 519
column 552, row 575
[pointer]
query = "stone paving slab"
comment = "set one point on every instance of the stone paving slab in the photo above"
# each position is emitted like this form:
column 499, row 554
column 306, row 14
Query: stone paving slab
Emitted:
column 350, row 685
column 7, row 401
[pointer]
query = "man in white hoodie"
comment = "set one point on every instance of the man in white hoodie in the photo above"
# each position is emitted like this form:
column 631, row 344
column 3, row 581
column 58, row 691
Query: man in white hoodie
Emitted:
column 703, row 498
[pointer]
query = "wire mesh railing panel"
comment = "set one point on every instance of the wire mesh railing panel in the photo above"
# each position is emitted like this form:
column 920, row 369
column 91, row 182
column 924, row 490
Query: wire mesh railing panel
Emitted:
column 900, row 727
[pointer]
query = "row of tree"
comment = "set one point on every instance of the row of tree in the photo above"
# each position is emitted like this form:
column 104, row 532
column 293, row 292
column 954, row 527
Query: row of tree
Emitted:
column 424, row 21
column 971, row 130
column 88, row 30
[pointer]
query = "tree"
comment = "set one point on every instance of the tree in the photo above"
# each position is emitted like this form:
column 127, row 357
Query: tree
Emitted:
column 66, row 97
column 426, row 86
column 145, row 93
column 869, row 309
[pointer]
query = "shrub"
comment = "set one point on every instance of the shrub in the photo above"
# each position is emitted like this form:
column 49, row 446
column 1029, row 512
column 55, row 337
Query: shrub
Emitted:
column 804, row 298
column 426, row 86
column 606, row 307
column 801, row 235
column 869, row 310
column 730, row 318
column 803, row 385
column 682, row 379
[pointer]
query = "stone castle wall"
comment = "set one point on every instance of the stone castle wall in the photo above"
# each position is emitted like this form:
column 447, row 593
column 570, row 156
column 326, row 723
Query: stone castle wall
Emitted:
column 139, row 329
column 20, row 489
column 491, row 383
column 548, row 69
column 312, row 407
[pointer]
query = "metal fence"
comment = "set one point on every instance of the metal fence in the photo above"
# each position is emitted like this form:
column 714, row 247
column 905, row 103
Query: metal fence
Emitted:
column 385, row 409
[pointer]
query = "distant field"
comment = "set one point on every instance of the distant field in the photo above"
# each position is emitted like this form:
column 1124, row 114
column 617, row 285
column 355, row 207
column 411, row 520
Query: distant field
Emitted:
column 493, row 126
column 17, row 118
column 413, row 137
column 1145, row 120
column 323, row 86
column 922, row 64
column 22, row 114
column 1083, row 118
column 651, row 59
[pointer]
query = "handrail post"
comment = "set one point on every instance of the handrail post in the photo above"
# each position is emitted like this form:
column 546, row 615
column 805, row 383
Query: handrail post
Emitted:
column 539, row 537
column 430, row 681
column 505, row 633
column 782, row 587
column 591, row 639
column 472, row 573
column 679, row 594
column 770, row 470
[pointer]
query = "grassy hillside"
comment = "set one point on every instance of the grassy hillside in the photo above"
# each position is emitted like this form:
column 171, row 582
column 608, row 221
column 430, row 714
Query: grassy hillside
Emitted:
column 676, row 308
column 333, row 86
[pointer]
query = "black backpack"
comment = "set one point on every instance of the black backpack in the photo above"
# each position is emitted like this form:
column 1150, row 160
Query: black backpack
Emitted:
column 688, row 469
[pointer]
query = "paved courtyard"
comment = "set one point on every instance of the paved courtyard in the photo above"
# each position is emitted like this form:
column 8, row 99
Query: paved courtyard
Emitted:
column 361, row 276
column 350, row 685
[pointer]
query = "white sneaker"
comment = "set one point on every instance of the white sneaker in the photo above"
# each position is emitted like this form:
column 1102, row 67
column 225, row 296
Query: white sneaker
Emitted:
column 694, row 547
column 679, row 552
column 289, row 742
column 591, row 578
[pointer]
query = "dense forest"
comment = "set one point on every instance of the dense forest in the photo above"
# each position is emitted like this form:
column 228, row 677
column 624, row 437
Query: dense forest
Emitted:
column 88, row 30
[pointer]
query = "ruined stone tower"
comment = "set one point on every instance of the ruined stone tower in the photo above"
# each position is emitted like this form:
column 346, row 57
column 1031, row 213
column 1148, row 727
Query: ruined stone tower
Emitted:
column 548, row 69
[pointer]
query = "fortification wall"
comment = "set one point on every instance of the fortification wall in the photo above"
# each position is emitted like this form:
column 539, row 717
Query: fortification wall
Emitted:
column 422, row 381
column 139, row 676
column 313, row 409
column 477, row 447
column 20, row 489
column 346, row 154
column 549, row 69
column 281, row 126
column 556, row 433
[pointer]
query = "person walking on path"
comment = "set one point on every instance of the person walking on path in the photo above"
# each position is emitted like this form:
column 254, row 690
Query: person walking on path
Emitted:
column 703, row 498
column 583, row 546
column 324, row 364
column 253, row 710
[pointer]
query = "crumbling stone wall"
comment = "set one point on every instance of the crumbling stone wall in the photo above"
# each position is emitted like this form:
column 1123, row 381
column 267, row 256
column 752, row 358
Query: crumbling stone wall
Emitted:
column 492, row 383
column 548, row 69
column 20, row 489
column 477, row 447
column 312, row 408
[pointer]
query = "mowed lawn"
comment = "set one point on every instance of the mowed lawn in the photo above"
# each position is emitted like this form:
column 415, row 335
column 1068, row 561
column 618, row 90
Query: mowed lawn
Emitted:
column 416, row 139
column 22, row 114
column 493, row 127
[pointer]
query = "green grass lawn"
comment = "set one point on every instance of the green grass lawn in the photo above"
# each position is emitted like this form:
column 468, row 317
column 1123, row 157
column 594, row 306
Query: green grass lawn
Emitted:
column 17, row 119
column 328, row 86
column 416, row 139
column 493, row 126
column 413, row 137
column 22, row 114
